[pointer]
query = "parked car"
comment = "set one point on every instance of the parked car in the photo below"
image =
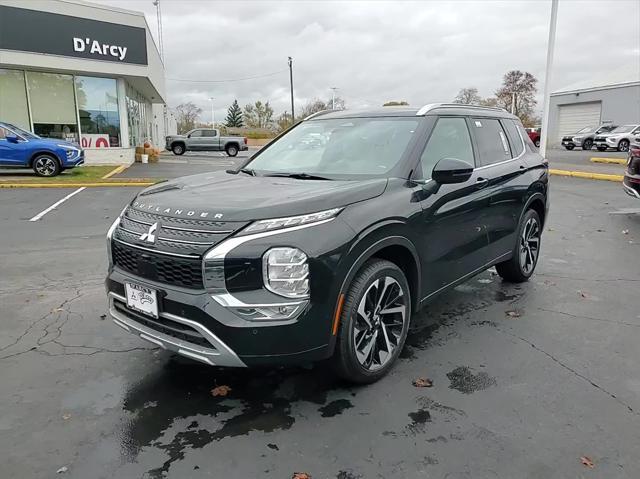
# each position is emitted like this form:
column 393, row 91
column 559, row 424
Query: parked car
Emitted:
column 585, row 137
column 46, row 156
column 631, row 182
column 304, row 254
column 534, row 135
column 205, row 139
column 619, row 138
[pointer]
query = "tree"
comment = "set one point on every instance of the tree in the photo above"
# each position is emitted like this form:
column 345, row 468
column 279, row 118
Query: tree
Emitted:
column 284, row 121
column 186, row 116
column 313, row 106
column 258, row 115
column 522, row 85
column 468, row 96
column 234, row 115
column 396, row 103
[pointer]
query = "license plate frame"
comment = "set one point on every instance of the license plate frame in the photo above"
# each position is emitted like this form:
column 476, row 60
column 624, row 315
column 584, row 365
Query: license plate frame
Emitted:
column 142, row 299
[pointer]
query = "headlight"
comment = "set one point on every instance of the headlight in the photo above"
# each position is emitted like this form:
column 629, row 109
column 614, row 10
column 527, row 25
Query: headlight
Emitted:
column 70, row 151
column 285, row 271
column 277, row 223
column 577, row 138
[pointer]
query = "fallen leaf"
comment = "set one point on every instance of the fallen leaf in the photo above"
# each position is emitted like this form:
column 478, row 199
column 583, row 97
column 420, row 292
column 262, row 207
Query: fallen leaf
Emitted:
column 62, row 470
column 586, row 461
column 583, row 294
column 103, row 316
column 66, row 416
column 422, row 383
column 625, row 232
column 300, row 475
column 513, row 314
column 220, row 391
column 57, row 310
column 600, row 230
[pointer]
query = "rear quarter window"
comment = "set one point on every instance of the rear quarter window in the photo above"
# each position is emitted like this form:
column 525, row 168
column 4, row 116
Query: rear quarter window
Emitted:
column 517, row 146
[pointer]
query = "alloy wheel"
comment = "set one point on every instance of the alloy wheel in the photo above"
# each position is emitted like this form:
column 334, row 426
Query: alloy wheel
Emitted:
column 45, row 166
column 529, row 245
column 379, row 323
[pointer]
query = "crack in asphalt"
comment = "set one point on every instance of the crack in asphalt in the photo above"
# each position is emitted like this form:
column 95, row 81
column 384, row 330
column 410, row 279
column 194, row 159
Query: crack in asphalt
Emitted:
column 596, row 280
column 591, row 318
column 570, row 369
column 97, row 281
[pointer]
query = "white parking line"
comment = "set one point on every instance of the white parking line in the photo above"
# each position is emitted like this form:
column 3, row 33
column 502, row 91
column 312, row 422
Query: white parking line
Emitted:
column 56, row 204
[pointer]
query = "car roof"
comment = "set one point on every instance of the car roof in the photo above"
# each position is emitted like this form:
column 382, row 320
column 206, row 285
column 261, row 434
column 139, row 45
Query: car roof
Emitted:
column 403, row 111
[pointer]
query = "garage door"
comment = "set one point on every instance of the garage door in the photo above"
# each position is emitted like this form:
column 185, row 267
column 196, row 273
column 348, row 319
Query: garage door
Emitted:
column 575, row 117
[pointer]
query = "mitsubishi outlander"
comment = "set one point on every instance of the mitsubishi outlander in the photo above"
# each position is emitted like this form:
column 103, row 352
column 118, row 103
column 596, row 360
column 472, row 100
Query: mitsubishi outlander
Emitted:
column 325, row 242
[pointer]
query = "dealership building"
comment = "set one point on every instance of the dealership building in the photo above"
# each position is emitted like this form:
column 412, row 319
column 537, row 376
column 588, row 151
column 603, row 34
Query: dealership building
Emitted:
column 612, row 98
column 82, row 72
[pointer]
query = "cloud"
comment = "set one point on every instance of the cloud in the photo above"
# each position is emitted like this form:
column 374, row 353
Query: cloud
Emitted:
column 377, row 51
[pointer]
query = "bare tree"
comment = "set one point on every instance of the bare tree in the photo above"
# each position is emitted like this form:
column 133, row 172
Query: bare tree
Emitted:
column 518, row 87
column 186, row 116
column 468, row 96
column 396, row 103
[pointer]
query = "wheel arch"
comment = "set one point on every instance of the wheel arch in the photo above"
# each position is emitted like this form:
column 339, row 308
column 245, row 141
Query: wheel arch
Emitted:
column 537, row 202
column 44, row 152
column 232, row 143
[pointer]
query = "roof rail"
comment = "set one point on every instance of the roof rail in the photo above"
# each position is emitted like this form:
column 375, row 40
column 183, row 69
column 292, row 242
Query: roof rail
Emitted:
column 432, row 106
column 318, row 113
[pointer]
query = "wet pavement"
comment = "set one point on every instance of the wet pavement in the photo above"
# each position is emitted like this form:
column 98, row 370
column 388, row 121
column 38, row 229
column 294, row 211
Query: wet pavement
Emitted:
column 527, row 378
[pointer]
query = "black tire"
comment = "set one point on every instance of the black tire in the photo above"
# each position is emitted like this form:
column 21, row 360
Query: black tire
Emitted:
column 570, row 147
column 587, row 144
column 513, row 269
column 537, row 143
column 602, row 148
column 46, row 165
column 391, row 280
column 178, row 149
column 232, row 150
column 623, row 145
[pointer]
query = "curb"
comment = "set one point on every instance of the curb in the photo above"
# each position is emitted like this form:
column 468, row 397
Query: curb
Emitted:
column 75, row 185
column 115, row 171
column 586, row 175
column 611, row 161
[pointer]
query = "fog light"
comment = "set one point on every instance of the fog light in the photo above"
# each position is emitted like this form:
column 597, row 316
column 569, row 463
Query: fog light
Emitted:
column 269, row 313
column 285, row 271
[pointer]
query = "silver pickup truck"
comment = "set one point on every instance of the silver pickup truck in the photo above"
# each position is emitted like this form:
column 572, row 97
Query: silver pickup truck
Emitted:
column 205, row 139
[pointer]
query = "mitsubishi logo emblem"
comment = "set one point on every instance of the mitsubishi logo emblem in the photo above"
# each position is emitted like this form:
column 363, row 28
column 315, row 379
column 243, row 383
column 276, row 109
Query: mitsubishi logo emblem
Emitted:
column 150, row 236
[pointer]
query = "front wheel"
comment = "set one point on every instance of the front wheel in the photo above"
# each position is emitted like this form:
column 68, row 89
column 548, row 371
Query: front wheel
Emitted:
column 374, row 322
column 587, row 144
column 623, row 145
column 178, row 149
column 526, row 252
column 46, row 165
column 569, row 147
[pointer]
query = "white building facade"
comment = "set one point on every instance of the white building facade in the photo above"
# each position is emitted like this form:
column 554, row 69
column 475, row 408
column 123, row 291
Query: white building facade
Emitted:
column 82, row 72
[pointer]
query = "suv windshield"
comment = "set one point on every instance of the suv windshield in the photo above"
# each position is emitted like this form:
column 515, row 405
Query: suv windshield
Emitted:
column 587, row 129
column 346, row 146
column 623, row 129
column 21, row 132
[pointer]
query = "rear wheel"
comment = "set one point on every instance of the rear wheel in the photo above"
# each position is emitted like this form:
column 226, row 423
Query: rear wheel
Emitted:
column 178, row 149
column 537, row 143
column 46, row 165
column 623, row 145
column 232, row 150
column 587, row 144
column 374, row 322
column 526, row 252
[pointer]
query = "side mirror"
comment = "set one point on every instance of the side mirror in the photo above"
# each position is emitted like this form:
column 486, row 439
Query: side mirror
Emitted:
column 12, row 139
column 189, row 135
column 451, row 170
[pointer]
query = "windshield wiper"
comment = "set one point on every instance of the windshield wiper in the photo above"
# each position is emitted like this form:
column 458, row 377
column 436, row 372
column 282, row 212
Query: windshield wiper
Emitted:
column 299, row 176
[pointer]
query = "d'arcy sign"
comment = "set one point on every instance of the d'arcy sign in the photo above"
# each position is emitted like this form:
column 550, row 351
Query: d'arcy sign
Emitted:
column 27, row 30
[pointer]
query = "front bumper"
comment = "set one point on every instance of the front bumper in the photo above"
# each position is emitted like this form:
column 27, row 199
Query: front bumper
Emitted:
column 631, row 185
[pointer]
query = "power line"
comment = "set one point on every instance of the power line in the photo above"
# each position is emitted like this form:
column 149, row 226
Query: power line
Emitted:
column 189, row 80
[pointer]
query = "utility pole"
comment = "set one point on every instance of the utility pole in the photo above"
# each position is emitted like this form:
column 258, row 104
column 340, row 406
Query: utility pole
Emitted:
column 333, row 97
column 159, row 17
column 547, row 77
column 213, row 115
column 293, row 114
column 513, row 102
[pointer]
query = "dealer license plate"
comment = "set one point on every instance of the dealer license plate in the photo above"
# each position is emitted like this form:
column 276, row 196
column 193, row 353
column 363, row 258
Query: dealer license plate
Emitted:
column 142, row 299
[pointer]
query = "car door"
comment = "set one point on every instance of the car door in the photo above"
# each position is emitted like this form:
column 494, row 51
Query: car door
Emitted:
column 11, row 153
column 210, row 140
column 501, row 150
column 451, row 229
column 196, row 141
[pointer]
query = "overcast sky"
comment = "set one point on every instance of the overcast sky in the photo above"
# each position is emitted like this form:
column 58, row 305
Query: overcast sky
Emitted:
column 375, row 51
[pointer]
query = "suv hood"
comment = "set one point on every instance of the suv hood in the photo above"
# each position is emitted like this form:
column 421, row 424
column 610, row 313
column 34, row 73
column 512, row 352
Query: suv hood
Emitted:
column 229, row 197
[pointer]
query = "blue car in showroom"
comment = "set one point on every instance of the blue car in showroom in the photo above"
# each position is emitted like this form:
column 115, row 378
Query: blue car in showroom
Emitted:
column 46, row 156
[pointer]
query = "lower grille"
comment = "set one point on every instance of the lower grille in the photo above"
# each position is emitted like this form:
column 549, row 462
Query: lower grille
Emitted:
column 183, row 272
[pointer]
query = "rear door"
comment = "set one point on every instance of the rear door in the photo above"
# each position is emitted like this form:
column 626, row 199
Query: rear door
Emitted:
column 211, row 140
column 501, row 150
column 452, row 230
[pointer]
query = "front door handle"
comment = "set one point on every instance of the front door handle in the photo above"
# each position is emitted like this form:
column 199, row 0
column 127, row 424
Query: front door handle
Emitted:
column 481, row 182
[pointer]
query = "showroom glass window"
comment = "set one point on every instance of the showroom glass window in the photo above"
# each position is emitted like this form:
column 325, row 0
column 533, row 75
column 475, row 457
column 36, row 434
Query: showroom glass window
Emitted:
column 98, row 108
column 138, row 110
column 13, row 98
column 53, row 105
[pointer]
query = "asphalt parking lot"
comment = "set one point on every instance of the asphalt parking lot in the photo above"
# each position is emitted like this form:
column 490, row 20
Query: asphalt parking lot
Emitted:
column 527, row 378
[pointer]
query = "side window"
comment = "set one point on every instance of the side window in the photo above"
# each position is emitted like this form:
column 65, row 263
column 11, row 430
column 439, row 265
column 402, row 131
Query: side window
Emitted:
column 492, row 141
column 517, row 147
column 209, row 133
column 450, row 139
column 196, row 134
column 3, row 133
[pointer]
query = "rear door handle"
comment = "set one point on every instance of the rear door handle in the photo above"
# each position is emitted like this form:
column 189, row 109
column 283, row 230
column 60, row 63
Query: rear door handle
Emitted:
column 481, row 182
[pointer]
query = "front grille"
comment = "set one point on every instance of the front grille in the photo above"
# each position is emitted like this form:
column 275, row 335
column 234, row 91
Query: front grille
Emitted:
column 174, row 256
column 599, row 138
column 184, row 272
column 163, row 325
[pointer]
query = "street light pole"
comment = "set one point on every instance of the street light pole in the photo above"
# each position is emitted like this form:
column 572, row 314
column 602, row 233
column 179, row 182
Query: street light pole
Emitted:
column 547, row 77
column 159, row 17
column 213, row 115
column 333, row 97
column 293, row 114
